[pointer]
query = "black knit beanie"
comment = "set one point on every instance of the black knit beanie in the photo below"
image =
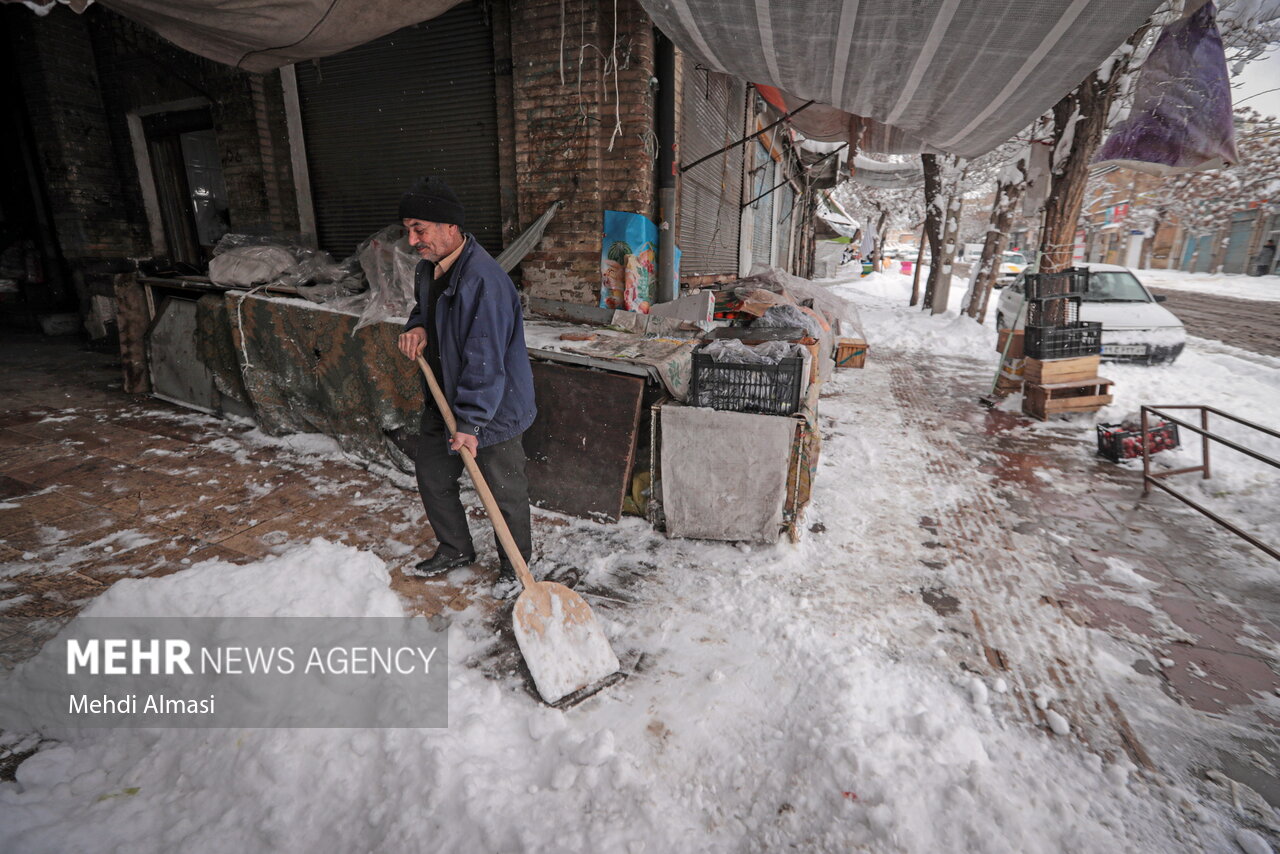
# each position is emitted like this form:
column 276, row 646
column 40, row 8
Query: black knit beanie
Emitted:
column 431, row 200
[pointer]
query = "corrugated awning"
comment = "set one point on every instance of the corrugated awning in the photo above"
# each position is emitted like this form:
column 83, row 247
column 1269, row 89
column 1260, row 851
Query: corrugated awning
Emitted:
column 942, row 75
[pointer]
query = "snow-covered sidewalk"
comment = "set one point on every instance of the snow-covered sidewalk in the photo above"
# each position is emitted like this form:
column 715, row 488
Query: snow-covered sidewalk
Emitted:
column 915, row 675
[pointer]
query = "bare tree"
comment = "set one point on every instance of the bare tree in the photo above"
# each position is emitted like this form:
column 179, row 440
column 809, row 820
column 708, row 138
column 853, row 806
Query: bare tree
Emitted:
column 915, row 278
column 889, row 208
column 1203, row 202
column 933, row 220
column 1079, row 119
column 1010, row 186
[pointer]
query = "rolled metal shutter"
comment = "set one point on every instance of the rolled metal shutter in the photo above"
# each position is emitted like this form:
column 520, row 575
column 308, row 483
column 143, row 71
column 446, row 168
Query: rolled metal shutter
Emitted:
column 762, row 181
column 1205, row 259
column 710, row 194
column 420, row 101
column 1238, row 249
column 786, row 219
column 1188, row 252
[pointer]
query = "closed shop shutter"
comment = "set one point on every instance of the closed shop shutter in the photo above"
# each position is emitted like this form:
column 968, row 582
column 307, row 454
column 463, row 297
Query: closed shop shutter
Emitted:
column 786, row 221
column 762, row 180
column 420, row 101
column 1205, row 259
column 710, row 194
column 1238, row 249
column 1189, row 244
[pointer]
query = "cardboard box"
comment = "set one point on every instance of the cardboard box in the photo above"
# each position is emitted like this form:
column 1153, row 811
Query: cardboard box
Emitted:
column 1015, row 349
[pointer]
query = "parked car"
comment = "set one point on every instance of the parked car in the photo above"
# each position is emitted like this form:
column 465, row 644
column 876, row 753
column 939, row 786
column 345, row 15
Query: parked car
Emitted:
column 1135, row 327
column 1012, row 264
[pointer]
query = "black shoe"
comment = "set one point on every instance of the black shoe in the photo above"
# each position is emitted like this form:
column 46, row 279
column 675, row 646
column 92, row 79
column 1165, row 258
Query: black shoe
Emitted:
column 507, row 587
column 440, row 563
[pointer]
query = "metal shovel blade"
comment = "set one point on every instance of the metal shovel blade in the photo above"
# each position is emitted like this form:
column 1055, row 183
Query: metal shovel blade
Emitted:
column 561, row 641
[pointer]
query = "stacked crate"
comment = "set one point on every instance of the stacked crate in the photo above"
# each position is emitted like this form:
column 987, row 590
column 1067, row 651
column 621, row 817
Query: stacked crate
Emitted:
column 1063, row 352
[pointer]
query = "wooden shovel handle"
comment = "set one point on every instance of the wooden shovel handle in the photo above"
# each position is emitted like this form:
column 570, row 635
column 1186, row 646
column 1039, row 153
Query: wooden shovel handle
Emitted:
column 486, row 497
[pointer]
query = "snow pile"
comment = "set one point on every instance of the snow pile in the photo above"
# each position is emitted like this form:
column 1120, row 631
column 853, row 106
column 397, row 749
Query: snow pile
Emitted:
column 889, row 322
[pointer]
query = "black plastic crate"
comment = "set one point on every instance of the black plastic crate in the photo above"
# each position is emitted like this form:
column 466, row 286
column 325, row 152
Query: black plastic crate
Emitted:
column 1063, row 310
column 1074, row 280
column 1119, row 442
column 1081, row 338
column 762, row 389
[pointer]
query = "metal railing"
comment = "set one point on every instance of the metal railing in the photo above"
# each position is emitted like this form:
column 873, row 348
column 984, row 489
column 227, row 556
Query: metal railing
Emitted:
column 1206, row 436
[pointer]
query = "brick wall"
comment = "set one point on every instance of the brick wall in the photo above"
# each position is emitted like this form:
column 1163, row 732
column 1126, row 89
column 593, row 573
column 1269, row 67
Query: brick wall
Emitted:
column 83, row 74
column 75, row 146
column 563, row 131
column 139, row 70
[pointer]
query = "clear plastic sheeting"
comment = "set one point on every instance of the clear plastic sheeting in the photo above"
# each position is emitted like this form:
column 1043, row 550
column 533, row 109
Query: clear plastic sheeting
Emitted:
column 247, row 260
column 959, row 77
column 734, row 352
column 790, row 316
column 831, row 307
column 388, row 266
column 836, row 217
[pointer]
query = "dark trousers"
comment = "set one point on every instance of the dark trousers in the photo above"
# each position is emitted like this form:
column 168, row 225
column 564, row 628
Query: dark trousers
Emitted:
column 438, row 471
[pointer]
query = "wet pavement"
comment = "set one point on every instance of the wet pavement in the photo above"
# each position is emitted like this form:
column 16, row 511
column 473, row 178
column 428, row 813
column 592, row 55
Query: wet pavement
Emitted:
column 1252, row 325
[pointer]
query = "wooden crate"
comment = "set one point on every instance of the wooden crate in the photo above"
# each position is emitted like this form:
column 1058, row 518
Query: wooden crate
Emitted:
column 851, row 353
column 1049, row 371
column 1042, row 400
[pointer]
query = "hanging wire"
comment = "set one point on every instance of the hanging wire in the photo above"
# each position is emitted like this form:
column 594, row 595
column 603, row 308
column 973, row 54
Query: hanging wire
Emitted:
column 617, row 96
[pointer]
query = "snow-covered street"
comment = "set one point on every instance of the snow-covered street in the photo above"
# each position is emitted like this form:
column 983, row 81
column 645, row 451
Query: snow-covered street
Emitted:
column 986, row 641
column 1263, row 288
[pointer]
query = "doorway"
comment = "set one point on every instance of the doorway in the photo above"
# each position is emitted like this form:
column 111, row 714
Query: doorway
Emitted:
column 190, row 191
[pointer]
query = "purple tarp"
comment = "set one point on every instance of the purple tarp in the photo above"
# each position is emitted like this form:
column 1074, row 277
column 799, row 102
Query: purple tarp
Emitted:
column 1181, row 118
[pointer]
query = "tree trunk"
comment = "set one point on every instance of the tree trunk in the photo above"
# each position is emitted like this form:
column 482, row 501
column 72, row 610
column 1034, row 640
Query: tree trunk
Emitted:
column 1008, row 194
column 1078, row 122
column 915, row 280
column 879, row 249
column 941, row 287
column 1149, row 247
column 933, row 222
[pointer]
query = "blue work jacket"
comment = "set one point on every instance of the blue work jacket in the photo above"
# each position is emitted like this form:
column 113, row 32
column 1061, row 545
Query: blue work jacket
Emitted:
column 484, row 363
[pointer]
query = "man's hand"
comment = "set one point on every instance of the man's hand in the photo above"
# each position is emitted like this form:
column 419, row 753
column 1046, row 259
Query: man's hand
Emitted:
column 461, row 439
column 413, row 342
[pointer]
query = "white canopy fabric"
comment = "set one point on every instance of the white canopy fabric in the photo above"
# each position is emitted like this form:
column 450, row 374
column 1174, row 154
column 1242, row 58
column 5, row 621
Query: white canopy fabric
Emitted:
column 959, row 77
column 830, row 211
column 258, row 36
column 887, row 176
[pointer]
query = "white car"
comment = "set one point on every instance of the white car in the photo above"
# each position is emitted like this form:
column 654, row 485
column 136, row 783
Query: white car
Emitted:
column 1135, row 327
column 1011, row 265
